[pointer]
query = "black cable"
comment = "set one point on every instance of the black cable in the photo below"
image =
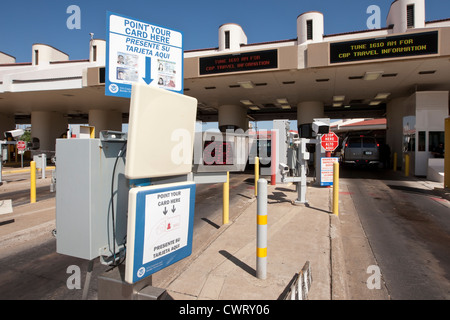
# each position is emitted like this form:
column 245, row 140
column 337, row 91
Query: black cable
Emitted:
column 121, row 153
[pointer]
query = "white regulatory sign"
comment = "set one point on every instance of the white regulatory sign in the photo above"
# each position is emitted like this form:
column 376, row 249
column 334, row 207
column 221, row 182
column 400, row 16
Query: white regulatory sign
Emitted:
column 160, row 224
column 138, row 51
column 167, row 221
column 326, row 170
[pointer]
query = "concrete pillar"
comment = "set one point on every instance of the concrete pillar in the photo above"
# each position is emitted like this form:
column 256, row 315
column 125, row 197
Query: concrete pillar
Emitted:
column 43, row 54
column 48, row 126
column 231, row 37
column 97, row 51
column 105, row 120
column 396, row 110
column 6, row 123
column 310, row 27
column 233, row 117
column 398, row 15
column 309, row 110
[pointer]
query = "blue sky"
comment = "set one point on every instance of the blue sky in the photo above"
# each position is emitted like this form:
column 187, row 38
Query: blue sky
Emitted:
column 24, row 22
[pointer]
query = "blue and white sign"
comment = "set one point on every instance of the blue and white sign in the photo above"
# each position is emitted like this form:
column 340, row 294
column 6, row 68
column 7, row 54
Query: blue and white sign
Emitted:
column 326, row 170
column 138, row 51
column 160, row 225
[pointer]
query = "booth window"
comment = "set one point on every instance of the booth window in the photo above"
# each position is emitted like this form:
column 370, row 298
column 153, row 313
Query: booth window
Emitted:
column 410, row 16
column 354, row 143
column 94, row 53
column 421, row 141
column 309, row 30
column 227, row 39
column 436, row 141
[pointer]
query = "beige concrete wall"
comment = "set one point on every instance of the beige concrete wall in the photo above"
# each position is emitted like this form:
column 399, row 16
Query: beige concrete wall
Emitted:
column 48, row 126
column 6, row 123
column 105, row 120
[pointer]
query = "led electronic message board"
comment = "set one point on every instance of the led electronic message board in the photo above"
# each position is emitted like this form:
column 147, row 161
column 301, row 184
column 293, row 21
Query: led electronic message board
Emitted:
column 408, row 45
column 246, row 61
column 218, row 153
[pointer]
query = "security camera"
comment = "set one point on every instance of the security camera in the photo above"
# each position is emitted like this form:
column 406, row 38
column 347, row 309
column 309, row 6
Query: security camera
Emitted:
column 294, row 138
column 321, row 127
column 14, row 133
column 284, row 168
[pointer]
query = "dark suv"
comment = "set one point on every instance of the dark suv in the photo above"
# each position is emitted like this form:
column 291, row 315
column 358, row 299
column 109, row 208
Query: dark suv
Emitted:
column 360, row 149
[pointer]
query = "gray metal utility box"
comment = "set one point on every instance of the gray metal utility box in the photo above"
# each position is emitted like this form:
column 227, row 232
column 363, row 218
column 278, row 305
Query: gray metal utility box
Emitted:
column 85, row 201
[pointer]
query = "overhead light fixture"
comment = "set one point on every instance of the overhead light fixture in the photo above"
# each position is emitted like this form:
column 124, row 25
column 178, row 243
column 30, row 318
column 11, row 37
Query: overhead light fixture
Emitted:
column 355, row 77
column 382, row 96
column 286, row 107
column 246, row 84
column 373, row 75
column 338, row 98
column 254, row 108
column 337, row 104
column 282, row 101
column 347, row 106
column 375, row 103
column 428, row 72
column 247, row 102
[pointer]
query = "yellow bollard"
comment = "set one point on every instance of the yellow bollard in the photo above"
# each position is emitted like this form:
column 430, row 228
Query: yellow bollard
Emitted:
column 33, row 182
column 395, row 161
column 226, row 200
column 336, row 188
column 407, row 165
column 256, row 175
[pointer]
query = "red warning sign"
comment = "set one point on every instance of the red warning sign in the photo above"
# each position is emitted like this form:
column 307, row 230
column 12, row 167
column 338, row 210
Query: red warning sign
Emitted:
column 329, row 141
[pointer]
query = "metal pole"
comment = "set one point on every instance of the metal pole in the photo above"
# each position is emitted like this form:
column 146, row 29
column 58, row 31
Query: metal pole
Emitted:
column 336, row 188
column 256, row 175
column 33, row 182
column 301, row 165
column 87, row 281
column 395, row 161
column 226, row 200
column 1, row 163
column 43, row 165
column 274, row 157
column 261, row 236
column 447, row 154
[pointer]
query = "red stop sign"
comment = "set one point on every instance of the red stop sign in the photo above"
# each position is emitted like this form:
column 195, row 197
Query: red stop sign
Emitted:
column 329, row 141
column 21, row 145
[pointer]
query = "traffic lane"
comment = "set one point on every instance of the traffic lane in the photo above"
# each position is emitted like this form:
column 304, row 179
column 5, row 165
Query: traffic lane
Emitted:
column 22, row 197
column 17, row 188
column 39, row 273
column 408, row 240
column 208, row 218
column 36, row 271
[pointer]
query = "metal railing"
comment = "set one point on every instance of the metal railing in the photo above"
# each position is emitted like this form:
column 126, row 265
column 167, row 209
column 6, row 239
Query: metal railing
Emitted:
column 302, row 284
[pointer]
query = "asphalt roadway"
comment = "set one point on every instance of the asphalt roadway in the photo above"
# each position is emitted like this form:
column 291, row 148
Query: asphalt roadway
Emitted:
column 396, row 225
column 407, row 224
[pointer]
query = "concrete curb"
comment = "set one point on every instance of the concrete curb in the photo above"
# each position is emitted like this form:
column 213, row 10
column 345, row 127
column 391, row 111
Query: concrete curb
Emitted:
column 339, row 288
column 27, row 234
